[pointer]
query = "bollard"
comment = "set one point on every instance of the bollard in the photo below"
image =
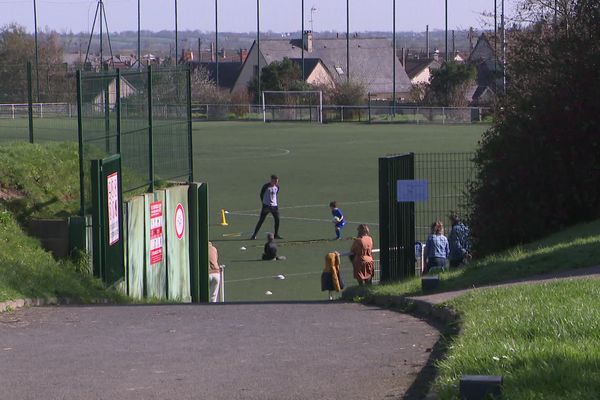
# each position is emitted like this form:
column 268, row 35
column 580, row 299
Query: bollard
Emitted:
column 479, row 387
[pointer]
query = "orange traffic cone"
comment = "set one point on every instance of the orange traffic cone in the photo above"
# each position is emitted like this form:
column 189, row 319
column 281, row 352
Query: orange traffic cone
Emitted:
column 223, row 219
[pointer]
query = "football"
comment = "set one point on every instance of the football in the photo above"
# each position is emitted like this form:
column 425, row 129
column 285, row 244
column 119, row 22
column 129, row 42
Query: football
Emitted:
column 336, row 220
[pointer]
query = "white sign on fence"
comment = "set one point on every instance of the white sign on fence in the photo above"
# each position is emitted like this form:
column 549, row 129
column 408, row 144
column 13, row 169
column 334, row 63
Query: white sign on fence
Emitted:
column 112, row 185
column 412, row 190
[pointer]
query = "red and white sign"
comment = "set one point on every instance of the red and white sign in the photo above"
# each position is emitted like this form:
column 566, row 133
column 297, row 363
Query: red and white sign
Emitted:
column 179, row 221
column 112, row 185
column 156, row 232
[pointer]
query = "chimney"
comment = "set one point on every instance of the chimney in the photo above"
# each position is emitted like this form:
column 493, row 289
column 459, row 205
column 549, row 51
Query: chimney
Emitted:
column 307, row 41
column 243, row 55
column 427, row 40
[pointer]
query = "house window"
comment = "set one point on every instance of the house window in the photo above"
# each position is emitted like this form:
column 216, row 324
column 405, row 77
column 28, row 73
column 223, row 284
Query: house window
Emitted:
column 339, row 70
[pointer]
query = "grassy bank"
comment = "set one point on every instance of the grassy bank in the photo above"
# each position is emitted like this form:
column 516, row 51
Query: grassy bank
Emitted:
column 575, row 247
column 27, row 271
column 544, row 339
column 40, row 181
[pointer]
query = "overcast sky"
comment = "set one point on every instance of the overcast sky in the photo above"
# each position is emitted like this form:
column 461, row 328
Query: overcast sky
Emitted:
column 240, row 15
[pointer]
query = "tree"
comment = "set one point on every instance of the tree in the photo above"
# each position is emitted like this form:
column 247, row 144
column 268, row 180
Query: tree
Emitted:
column 448, row 85
column 17, row 47
column 205, row 90
column 539, row 163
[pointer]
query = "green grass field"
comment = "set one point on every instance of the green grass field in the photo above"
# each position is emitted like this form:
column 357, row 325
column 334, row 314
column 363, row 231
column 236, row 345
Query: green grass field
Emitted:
column 316, row 164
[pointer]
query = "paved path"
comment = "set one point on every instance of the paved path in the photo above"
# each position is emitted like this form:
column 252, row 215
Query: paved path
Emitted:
column 232, row 351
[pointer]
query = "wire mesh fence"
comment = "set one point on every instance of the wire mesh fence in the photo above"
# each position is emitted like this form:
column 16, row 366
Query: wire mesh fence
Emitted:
column 339, row 113
column 447, row 175
column 37, row 103
column 143, row 115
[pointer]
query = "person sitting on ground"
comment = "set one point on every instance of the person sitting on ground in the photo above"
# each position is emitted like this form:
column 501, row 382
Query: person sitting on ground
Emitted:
column 270, row 250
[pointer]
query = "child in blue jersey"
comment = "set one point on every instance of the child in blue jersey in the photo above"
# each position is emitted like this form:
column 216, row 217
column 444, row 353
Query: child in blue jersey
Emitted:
column 338, row 219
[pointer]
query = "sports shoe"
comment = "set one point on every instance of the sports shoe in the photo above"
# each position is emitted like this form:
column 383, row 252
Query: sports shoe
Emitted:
column 278, row 237
column 253, row 237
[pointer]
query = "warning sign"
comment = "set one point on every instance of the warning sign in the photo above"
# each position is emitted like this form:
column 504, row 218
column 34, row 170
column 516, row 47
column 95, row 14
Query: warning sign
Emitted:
column 179, row 221
column 156, row 232
column 112, row 184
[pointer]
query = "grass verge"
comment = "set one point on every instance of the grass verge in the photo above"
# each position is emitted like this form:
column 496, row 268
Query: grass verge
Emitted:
column 575, row 247
column 544, row 339
column 27, row 271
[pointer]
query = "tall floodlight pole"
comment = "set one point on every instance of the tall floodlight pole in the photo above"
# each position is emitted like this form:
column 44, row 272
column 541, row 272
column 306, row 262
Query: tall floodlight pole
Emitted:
column 217, row 43
column 258, row 46
column 446, row 30
column 302, row 38
column 176, row 36
column 495, row 38
column 394, row 56
column 37, row 60
column 347, row 40
column 139, row 52
column 503, row 49
column 101, row 50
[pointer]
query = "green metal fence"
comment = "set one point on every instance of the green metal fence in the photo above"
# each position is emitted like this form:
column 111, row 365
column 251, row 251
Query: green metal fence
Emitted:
column 143, row 115
column 37, row 105
column 401, row 224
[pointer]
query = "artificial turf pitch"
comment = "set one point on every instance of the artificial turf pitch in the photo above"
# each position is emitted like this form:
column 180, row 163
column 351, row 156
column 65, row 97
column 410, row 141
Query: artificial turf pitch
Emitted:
column 315, row 164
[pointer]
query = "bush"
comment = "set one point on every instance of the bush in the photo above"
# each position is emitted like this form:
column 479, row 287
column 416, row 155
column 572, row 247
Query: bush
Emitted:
column 539, row 164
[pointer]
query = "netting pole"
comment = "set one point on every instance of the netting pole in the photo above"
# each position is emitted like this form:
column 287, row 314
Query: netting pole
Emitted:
column 188, row 75
column 150, row 138
column 30, row 101
column 106, row 89
column 80, row 144
column 264, row 109
column 118, row 109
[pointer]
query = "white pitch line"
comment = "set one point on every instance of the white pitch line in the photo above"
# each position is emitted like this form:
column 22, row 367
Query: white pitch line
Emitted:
column 283, row 153
column 301, row 218
column 308, row 206
column 272, row 277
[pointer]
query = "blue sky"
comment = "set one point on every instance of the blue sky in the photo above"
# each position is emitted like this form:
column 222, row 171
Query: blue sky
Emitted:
column 240, row 15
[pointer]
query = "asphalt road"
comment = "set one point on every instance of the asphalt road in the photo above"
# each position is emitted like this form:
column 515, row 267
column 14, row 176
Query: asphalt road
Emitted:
column 230, row 351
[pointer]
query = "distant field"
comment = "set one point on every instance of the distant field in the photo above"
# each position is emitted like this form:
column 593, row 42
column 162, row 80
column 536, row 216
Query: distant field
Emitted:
column 316, row 164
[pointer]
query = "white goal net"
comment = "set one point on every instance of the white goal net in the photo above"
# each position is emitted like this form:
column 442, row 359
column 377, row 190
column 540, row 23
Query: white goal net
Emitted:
column 305, row 105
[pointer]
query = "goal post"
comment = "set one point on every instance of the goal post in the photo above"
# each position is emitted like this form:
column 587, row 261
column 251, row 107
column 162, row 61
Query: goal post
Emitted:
column 292, row 105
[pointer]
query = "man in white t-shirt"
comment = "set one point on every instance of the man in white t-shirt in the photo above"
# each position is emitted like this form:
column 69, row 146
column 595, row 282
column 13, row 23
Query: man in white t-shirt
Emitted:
column 268, row 196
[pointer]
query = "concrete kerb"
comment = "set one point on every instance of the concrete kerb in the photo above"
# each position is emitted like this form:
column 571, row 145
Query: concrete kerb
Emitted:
column 11, row 305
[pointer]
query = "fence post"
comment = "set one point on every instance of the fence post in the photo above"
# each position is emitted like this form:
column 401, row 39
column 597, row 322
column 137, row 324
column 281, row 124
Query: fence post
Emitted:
column 369, row 103
column 118, row 109
column 80, row 144
column 188, row 77
column 106, row 110
column 30, row 101
column 150, row 138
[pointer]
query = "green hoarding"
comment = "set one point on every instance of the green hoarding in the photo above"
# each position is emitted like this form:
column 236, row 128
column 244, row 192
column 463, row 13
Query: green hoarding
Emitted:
column 178, row 241
column 136, row 246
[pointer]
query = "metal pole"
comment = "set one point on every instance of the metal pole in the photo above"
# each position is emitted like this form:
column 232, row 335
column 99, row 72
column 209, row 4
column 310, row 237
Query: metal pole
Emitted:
column 176, row 36
column 139, row 46
column 118, row 109
column 217, row 43
column 37, row 60
column 393, row 63
column 188, row 76
column 80, row 144
column 101, row 53
column 446, row 30
column 258, row 45
column 495, row 42
column 347, row 40
column 302, row 38
column 30, row 101
column 503, row 50
column 150, row 136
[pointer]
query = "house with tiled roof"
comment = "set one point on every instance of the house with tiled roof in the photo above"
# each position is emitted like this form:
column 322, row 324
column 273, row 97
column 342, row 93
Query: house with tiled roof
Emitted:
column 419, row 67
column 489, row 70
column 372, row 61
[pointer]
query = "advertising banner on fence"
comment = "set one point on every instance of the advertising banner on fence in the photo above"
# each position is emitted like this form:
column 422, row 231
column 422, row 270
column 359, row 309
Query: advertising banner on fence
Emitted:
column 178, row 254
column 156, row 268
column 112, row 186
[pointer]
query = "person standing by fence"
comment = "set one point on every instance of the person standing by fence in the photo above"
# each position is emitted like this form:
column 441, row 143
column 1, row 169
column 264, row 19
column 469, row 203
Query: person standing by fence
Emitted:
column 214, row 272
column 459, row 241
column 361, row 256
column 268, row 196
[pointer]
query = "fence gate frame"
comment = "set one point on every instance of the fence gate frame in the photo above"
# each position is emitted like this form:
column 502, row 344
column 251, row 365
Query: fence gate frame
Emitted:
column 396, row 219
